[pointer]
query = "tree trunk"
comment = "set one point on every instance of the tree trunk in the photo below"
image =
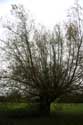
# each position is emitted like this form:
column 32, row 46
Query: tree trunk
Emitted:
column 44, row 106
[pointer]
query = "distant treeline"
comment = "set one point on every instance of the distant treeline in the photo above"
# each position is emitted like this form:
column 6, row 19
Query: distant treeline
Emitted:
column 72, row 99
column 12, row 99
column 66, row 99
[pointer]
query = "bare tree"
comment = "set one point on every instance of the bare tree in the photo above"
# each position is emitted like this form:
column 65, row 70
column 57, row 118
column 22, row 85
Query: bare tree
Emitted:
column 43, row 65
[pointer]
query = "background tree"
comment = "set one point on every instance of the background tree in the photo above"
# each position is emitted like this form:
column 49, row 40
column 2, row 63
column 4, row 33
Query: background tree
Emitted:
column 43, row 65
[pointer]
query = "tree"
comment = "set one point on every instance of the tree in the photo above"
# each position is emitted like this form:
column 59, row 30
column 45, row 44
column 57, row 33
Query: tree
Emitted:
column 43, row 65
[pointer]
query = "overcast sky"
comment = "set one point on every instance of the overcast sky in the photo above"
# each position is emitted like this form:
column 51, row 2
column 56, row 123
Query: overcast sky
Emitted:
column 46, row 12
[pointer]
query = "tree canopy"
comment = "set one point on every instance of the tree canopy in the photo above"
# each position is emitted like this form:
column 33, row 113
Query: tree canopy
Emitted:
column 43, row 65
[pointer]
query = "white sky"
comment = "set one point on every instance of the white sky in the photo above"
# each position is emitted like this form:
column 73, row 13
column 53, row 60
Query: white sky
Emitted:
column 46, row 12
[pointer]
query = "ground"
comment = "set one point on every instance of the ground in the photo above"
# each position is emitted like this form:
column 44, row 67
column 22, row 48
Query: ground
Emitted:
column 21, row 114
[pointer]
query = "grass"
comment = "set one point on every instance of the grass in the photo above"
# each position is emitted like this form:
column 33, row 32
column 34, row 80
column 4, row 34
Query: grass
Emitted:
column 13, row 106
column 61, row 114
column 55, row 107
column 67, row 108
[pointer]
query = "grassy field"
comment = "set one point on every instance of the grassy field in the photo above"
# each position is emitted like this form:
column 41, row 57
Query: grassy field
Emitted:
column 13, row 106
column 55, row 107
column 21, row 114
column 67, row 108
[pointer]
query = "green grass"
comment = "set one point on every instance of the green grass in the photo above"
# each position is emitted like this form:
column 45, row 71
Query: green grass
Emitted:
column 67, row 108
column 78, row 107
column 55, row 107
column 14, row 106
column 63, row 114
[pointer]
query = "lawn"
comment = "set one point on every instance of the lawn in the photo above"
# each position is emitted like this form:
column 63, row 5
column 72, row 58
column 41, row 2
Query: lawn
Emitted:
column 67, row 108
column 61, row 114
column 54, row 108
column 13, row 106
